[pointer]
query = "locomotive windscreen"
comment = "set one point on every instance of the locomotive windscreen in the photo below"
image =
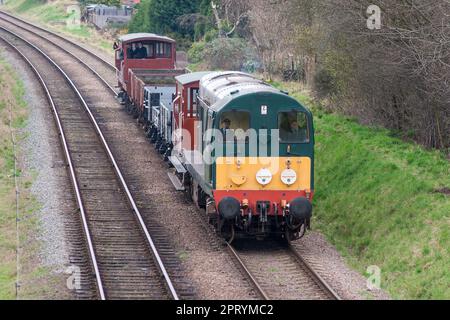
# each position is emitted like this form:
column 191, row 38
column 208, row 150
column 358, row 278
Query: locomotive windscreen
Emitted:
column 293, row 127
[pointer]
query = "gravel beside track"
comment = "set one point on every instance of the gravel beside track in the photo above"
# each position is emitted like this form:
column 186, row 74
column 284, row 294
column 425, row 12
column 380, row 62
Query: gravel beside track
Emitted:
column 327, row 261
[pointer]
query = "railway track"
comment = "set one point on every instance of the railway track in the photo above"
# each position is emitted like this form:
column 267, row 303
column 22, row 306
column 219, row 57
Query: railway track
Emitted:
column 292, row 277
column 97, row 64
column 278, row 271
column 123, row 256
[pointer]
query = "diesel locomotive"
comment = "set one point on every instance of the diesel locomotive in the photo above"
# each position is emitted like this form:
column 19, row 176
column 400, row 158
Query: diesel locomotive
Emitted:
column 238, row 147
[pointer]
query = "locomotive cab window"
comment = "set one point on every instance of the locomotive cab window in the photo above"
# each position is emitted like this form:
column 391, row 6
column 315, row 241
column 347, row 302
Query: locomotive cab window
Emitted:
column 293, row 127
column 234, row 124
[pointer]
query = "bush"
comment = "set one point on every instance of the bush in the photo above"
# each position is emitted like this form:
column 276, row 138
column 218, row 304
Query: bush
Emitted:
column 324, row 83
column 196, row 52
column 228, row 54
column 211, row 35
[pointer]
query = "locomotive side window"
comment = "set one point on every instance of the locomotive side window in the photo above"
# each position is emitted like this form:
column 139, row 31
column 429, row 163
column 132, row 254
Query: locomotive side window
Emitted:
column 293, row 127
column 235, row 120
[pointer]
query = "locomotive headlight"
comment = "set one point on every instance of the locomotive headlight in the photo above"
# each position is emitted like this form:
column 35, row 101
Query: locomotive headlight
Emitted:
column 288, row 177
column 264, row 177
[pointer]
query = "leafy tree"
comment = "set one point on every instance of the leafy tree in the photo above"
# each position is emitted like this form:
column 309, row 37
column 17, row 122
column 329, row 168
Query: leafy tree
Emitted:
column 141, row 20
column 161, row 16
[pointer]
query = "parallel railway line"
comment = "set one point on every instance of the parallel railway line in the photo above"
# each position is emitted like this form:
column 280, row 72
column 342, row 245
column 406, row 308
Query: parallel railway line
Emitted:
column 102, row 69
column 278, row 271
column 100, row 64
column 122, row 254
column 303, row 280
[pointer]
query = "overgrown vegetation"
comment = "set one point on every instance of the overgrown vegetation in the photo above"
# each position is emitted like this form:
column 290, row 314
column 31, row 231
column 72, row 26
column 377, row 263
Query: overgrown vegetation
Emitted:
column 378, row 200
column 382, row 201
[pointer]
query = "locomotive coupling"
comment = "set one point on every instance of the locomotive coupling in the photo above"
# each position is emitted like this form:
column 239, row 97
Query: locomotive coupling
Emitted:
column 229, row 208
column 300, row 208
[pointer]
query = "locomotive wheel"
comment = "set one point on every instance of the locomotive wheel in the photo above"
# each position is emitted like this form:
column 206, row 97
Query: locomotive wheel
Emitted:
column 288, row 237
column 230, row 239
column 226, row 230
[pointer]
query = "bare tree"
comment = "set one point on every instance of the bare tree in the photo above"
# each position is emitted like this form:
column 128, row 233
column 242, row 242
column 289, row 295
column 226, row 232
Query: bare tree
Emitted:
column 229, row 15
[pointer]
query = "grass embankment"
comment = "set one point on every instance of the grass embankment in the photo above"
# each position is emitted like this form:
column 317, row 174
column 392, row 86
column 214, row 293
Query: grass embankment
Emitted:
column 11, row 90
column 13, row 109
column 382, row 202
column 54, row 15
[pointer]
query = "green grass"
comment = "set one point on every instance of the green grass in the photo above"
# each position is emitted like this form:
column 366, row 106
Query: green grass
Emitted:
column 12, row 94
column 46, row 12
column 106, row 45
column 7, row 191
column 376, row 200
column 53, row 16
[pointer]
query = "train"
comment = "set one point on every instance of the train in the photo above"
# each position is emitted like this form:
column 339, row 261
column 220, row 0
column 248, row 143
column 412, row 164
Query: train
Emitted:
column 240, row 148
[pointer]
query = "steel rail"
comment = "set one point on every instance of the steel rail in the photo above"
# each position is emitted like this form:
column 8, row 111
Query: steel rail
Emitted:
column 115, row 166
column 302, row 262
column 70, row 165
column 247, row 272
column 316, row 276
column 83, row 48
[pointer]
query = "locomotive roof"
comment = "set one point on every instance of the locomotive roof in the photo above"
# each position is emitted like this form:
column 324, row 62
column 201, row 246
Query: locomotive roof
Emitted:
column 144, row 36
column 217, row 89
column 191, row 77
